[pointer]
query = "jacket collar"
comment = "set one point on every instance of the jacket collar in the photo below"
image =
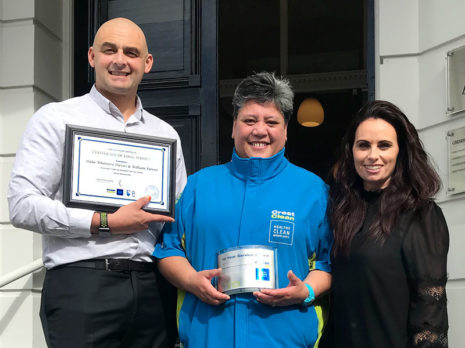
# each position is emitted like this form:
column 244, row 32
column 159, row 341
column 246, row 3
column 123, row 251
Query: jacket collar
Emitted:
column 257, row 169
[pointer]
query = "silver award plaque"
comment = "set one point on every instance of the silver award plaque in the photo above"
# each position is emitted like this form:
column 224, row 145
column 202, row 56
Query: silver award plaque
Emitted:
column 105, row 170
column 247, row 269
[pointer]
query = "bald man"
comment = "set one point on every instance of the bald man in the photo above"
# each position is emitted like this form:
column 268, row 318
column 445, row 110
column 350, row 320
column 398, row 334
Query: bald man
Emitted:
column 100, row 289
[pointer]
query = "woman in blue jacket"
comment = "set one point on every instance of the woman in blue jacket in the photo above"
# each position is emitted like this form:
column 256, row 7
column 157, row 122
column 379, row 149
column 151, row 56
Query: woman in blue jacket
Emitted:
column 259, row 199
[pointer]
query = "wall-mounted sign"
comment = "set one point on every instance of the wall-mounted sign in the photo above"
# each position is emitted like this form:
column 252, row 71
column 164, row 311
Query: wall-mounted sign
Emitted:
column 456, row 146
column 456, row 80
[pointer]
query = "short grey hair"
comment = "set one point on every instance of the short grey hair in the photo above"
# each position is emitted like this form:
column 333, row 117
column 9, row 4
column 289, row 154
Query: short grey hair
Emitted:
column 264, row 87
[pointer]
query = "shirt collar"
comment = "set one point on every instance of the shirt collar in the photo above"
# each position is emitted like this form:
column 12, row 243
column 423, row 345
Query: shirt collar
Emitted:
column 110, row 108
column 256, row 168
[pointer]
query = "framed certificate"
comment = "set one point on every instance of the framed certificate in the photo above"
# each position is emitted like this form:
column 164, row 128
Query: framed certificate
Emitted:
column 104, row 170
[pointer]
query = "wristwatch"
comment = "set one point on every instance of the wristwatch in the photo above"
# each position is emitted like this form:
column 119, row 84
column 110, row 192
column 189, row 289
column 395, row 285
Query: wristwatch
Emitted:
column 104, row 229
column 311, row 296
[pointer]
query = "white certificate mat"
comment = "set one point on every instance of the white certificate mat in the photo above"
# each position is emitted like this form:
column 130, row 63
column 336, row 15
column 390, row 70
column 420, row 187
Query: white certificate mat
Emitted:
column 247, row 269
column 116, row 170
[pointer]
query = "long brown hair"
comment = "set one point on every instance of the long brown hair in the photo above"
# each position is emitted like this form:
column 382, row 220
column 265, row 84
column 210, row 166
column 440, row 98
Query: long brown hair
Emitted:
column 414, row 182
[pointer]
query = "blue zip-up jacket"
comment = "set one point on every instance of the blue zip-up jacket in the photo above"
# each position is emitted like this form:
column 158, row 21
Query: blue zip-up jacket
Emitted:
column 250, row 201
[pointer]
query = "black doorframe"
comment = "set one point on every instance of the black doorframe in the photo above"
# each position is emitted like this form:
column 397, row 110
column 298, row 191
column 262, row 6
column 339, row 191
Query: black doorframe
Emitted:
column 186, row 98
column 191, row 108
column 370, row 50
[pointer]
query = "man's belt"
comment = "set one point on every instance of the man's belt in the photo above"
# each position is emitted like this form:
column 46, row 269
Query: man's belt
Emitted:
column 113, row 265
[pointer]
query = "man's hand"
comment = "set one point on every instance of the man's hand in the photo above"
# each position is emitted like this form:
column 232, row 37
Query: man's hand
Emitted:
column 130, row 218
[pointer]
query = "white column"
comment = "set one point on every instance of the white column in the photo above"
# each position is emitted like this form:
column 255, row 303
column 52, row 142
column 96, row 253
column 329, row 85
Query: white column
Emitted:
column 34, row 70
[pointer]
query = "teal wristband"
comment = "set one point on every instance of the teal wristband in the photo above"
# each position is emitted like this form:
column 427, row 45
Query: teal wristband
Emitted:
column 311, row 296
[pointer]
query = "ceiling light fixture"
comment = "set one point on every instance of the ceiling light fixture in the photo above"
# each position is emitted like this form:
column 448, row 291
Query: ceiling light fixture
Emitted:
column 310, row 113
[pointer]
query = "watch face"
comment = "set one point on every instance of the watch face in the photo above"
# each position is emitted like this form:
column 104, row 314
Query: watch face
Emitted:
column 104, row 232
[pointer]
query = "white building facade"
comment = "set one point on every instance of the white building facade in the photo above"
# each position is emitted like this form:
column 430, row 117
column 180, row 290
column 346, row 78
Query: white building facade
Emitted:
column 412, row 39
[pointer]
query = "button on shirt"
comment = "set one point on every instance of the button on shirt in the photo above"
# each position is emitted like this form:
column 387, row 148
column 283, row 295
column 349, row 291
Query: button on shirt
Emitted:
column 36, row 186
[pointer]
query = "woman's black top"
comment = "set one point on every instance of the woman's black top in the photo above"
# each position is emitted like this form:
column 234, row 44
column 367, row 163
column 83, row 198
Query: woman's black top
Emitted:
column 392, row 294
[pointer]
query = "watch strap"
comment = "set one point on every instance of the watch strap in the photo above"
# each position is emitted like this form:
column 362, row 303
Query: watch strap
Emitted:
column 104, row 229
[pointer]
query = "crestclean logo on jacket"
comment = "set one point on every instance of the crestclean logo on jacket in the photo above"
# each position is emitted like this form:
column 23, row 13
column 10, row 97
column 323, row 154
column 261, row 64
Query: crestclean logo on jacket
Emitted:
column 282, row 227
column 283, row 215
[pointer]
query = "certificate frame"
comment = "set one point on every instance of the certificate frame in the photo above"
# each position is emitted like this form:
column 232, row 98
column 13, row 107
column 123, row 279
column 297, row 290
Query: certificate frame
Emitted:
column 122, row 144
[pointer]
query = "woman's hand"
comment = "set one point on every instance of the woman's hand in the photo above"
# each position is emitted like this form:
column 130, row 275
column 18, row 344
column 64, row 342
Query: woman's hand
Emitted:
column 295, row 293
column 181, row 274
column 200, row 285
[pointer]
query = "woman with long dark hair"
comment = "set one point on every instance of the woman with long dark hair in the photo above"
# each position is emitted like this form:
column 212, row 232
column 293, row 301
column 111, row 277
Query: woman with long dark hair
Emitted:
column 391, row 240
